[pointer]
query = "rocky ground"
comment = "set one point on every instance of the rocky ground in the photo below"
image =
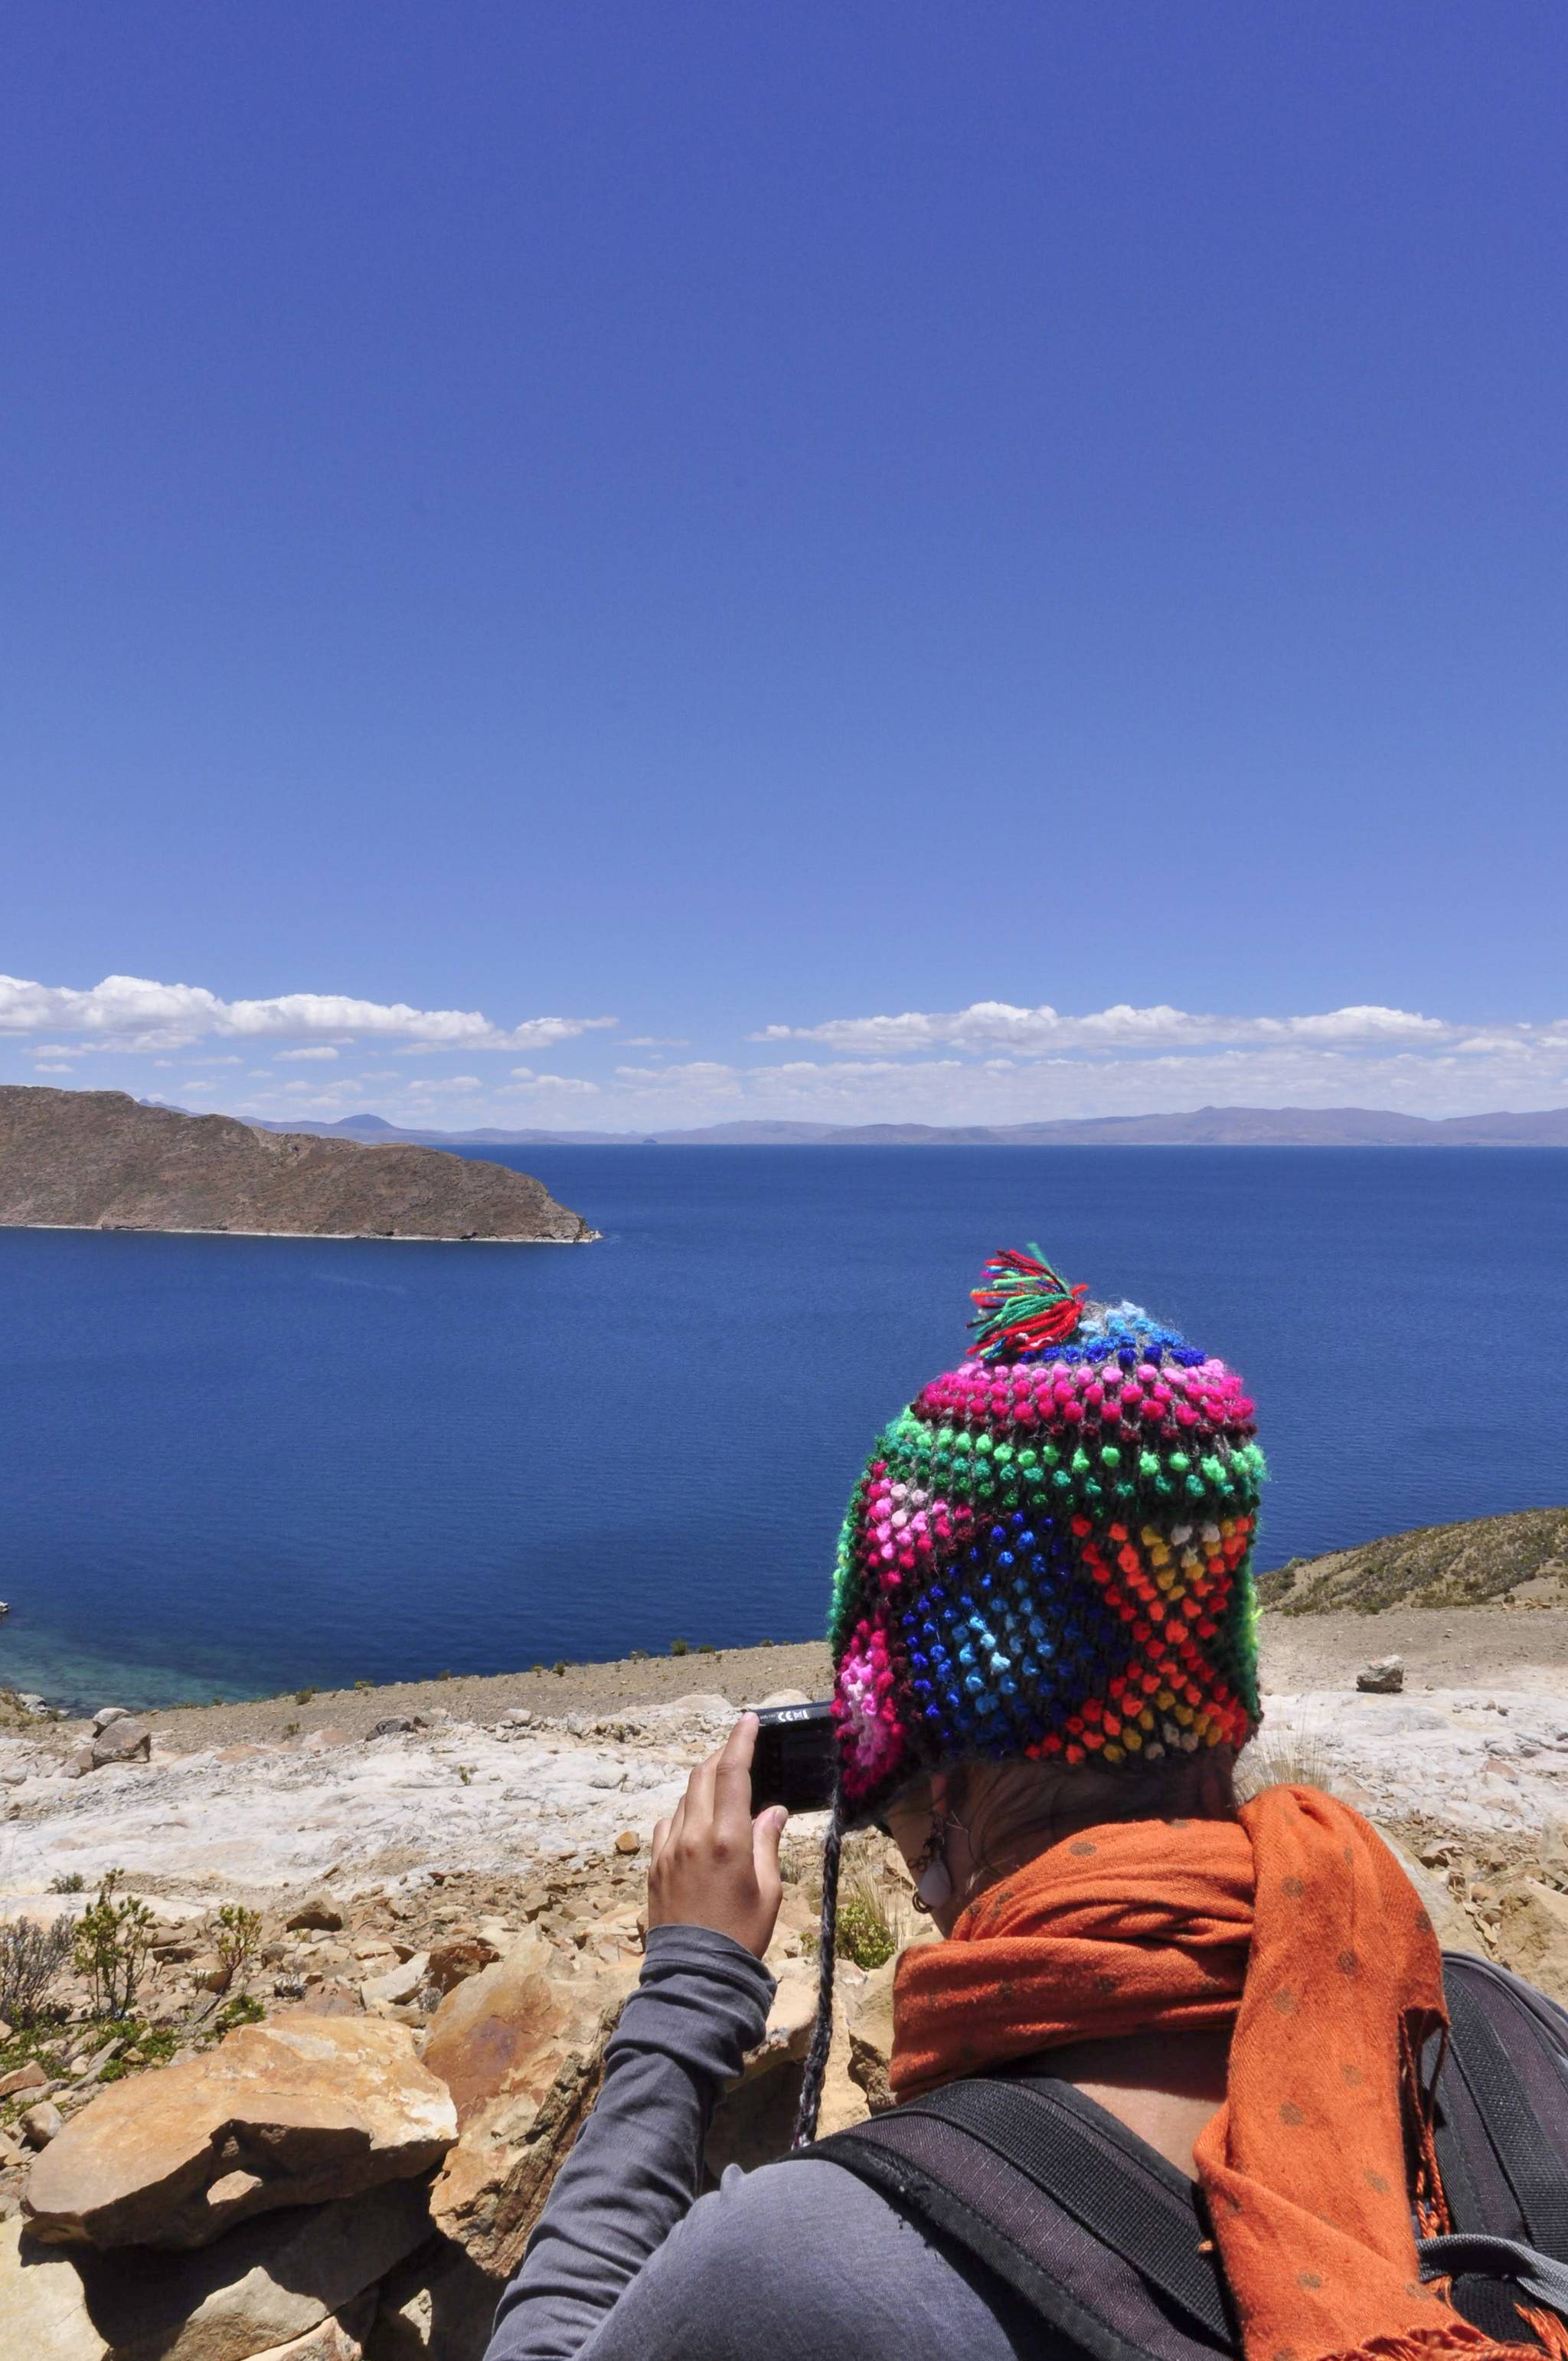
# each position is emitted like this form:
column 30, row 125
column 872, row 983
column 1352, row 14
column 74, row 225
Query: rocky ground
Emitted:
column 447, row 1880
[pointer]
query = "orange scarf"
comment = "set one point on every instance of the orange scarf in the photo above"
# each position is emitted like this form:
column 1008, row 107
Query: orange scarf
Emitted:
column 1298, row 1927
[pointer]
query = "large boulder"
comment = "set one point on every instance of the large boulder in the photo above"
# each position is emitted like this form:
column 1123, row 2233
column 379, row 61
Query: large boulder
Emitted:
column 754, row 2120
column 292, row 2112
column 870, row 2037
column 1450, row 1922
column 121, row 1740
column 317, row 1913
column 43, row 2304
column 520, row 2048
column 339, row 2337
column 436, row 2306
column 459, row 1957
column 1532, row 1935
column 265, row 2286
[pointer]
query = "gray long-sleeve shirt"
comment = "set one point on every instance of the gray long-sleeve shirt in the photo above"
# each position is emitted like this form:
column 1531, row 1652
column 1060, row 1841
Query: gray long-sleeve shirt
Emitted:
column 801, row 2262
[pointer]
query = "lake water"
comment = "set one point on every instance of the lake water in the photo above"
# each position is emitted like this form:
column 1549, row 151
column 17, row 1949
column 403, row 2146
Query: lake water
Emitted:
column 234, row 1466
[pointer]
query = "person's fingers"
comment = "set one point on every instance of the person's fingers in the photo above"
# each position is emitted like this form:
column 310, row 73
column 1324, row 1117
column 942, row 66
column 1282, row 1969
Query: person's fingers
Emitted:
column 660, row 1839
column 767, row 1830
column 732, row 1781
column 698, row 1802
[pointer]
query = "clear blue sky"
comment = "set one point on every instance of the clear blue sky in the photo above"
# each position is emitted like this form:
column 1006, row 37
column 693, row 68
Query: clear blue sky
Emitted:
column 727, row 517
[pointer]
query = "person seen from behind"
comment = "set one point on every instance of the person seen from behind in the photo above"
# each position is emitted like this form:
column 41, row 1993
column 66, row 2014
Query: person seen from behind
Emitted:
column 1044, row 1636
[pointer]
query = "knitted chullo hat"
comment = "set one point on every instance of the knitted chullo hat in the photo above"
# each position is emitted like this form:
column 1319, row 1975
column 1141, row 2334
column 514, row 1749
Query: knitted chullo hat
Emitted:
column 1048, row 1553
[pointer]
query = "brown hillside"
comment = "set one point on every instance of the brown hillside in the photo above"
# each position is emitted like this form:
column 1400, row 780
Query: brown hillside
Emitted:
column 1522, row 1557
column 101, row 1160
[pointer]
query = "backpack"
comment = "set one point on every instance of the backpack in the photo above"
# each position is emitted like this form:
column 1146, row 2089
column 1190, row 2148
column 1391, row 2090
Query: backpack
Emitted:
column 1107, row 2241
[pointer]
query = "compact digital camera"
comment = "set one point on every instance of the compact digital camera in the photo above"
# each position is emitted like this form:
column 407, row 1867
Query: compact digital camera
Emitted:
column 797, row 1759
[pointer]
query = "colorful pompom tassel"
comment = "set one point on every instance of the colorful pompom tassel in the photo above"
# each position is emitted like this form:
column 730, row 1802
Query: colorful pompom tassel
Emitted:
column 1024, row 1307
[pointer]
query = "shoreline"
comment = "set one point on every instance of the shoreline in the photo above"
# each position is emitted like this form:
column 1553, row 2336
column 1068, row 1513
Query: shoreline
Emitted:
column 373, row 1237
column 1442, row 1648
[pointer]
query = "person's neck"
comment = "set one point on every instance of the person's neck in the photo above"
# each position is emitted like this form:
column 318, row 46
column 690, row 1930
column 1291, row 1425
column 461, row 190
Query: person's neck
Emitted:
column 1076, row 1824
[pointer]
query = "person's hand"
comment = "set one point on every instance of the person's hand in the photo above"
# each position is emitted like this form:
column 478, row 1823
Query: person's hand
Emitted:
column 713, row 1866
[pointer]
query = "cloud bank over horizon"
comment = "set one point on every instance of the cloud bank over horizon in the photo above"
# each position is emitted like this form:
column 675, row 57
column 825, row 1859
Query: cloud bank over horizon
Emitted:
column 130, row 1013
column 991, row 1063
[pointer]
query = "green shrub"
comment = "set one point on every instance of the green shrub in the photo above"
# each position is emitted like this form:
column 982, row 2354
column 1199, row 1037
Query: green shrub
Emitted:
column 865, row 1932
column 241, row 2010
column 113, row 1938
column 680, row 1648
column 238, row 1937
column 68, row 1882
column 303, row 1697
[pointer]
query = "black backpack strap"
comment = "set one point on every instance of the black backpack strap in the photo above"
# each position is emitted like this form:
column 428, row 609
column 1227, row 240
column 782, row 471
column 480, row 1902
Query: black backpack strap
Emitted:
column 974, row 2159
column 1539, row 2277
column 1534, row 2168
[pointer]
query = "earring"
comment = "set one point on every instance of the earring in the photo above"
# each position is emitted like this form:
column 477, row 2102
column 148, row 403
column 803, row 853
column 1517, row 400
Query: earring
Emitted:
column 933, row 1880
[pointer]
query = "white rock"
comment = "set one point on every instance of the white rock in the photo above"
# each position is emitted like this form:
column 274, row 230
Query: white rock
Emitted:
column 399, row 1985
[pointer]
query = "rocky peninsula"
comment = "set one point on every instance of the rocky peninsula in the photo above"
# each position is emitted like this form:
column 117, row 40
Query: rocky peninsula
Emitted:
column 376, row 1939
column 102, row 1160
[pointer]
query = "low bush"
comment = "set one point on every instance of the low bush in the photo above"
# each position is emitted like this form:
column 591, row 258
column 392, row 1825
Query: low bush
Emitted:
column 241, row 2010
column 31, row 1957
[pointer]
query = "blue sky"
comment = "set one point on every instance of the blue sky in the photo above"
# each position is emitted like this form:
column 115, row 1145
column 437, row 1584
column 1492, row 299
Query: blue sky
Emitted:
column 949, row 562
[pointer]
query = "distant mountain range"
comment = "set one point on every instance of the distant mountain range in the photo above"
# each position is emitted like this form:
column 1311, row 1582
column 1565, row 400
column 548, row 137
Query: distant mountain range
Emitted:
column 1237, row 1126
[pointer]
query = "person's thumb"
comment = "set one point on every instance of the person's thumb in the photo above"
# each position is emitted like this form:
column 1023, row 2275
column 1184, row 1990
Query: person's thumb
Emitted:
column 767, row 1830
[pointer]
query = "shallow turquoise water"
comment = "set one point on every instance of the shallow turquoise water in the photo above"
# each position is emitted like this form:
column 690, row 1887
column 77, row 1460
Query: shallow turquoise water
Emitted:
column 239, row 1465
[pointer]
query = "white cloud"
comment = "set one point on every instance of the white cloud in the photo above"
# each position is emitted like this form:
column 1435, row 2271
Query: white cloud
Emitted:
column 998, row 1024
column 128, row 1013
column 284, row 1056
column 654, row 1041
column 54, row 1068
column 525, row 1079
column 702, row 1077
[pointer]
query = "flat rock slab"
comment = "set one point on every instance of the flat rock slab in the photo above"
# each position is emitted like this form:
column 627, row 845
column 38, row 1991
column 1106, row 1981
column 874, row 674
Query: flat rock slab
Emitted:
column 43, row 2304
column 289, row 1815
column 266, row 2285
column 300, row 2110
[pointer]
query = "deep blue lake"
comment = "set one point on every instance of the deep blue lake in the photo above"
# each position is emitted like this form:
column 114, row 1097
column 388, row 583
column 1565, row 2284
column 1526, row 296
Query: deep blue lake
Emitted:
column 234, row 1465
